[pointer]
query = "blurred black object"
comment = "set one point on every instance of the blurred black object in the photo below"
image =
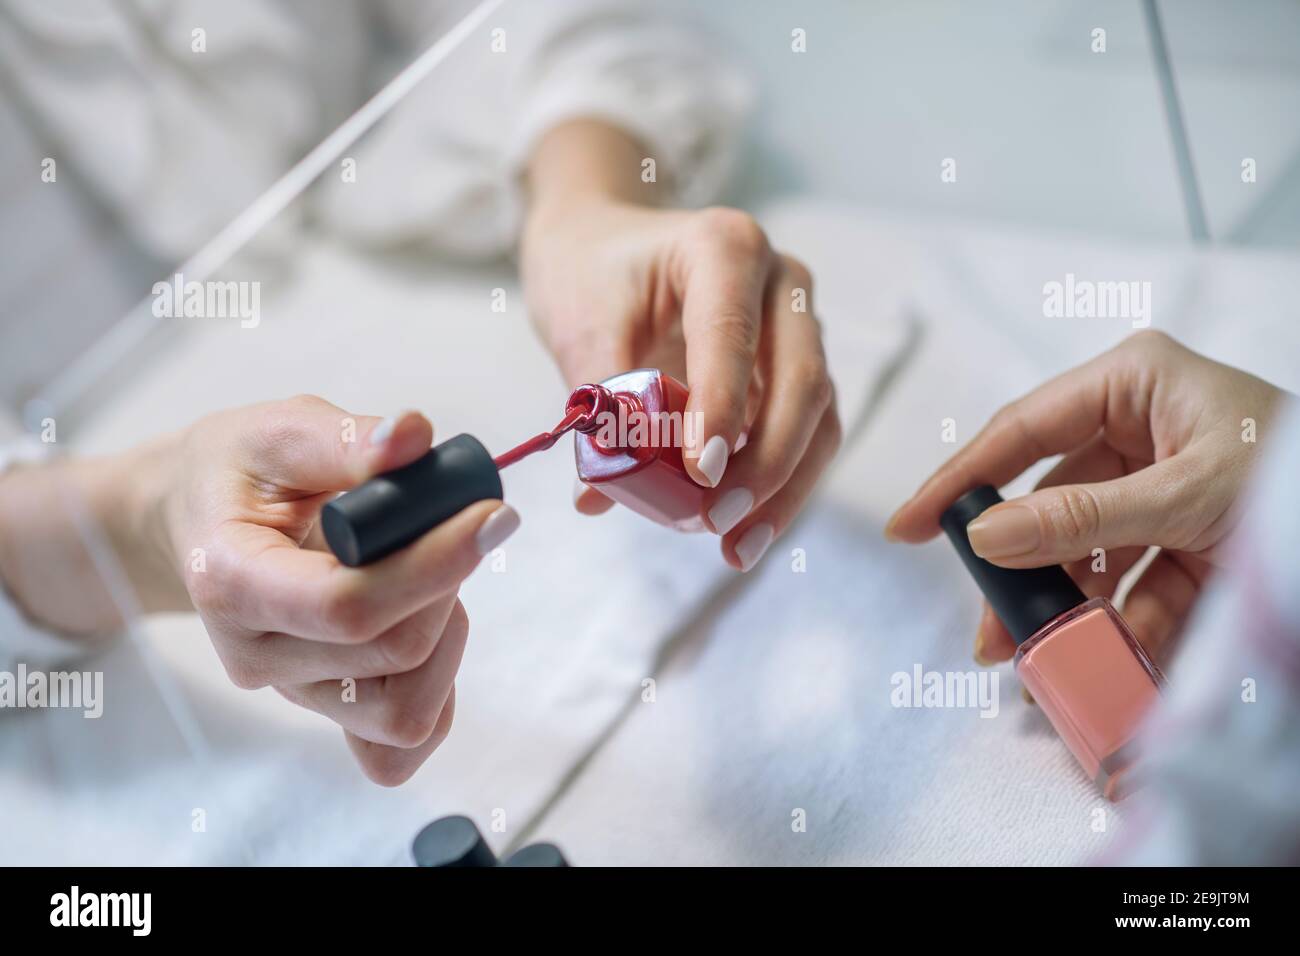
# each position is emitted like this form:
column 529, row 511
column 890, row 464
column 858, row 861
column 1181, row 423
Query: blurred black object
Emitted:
column 455, row 841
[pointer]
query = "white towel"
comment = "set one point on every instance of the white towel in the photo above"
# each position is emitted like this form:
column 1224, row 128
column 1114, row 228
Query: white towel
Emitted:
column 779, row 701
column 549, row 666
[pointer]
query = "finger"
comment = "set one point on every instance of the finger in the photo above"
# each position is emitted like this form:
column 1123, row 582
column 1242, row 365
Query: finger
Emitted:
column 393, row 766
column 1095, row 460
column 1157, row 606
column 398, row 710
column 722, row 278
column 263, row 660
column 308, row 444
column 993, row 642
column 589, row 500
column 1165, row 504
column 798, row 391
column 1099, row 572
column 592, row 354
column 746, row 543
column 277, row 587
column 1057, row 417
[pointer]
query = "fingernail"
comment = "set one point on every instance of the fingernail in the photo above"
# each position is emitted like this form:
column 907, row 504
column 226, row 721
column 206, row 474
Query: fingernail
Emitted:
column 499, row 525
column 730, row 508
column 753, row 543
column 713, row 460
column 1004, row 532
column 383, row 431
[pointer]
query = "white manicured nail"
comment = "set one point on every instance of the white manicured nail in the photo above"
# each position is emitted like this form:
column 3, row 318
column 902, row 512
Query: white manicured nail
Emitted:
column 384, row 430
column 713, row 460
column 753, row 543
column 499, row 525
column 730, row 508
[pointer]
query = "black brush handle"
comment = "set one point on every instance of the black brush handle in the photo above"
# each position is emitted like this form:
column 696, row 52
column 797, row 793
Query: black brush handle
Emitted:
column 391, row 510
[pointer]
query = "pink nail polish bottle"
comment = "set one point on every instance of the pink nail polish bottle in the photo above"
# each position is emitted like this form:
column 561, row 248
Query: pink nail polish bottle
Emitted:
column 630, row 446
column 1077, row 657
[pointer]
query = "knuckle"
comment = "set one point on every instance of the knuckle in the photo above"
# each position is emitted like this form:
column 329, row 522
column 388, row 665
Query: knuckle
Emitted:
column 386, row 767
column 442, row 729
column 404, row 648
column 242, row 669
column 207, row 593
column 407, row 721
column 457, row 628
column 277, row 435
column 305, row 401
column 799, row 273
column 1149, row 340
column 1151, row 347
column 834, row 430
column 737, row 231
column 1007, row 415
column 734, row 330
column 346, row 613
column 217, row 586
column 1075, row 513
column 813, row 383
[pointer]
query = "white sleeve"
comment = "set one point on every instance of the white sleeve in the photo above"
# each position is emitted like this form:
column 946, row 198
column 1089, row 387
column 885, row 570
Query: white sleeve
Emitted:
column 665, row 81
column 445, row 168
column 20, row 639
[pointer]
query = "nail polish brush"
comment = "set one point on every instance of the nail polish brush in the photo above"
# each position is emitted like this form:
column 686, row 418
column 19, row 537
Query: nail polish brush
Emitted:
column 391, row 510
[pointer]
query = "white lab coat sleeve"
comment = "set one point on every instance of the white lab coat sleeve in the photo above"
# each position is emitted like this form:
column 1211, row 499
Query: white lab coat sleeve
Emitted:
column 668, row 82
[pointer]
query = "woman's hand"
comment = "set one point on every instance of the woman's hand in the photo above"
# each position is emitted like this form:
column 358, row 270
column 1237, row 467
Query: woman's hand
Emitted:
column 615, row 284
column 1157, row 443
column 223, row 517
column 376, row 648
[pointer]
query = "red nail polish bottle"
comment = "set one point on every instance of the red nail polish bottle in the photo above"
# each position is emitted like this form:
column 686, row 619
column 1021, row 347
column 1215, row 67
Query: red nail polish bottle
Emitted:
column 630, row 446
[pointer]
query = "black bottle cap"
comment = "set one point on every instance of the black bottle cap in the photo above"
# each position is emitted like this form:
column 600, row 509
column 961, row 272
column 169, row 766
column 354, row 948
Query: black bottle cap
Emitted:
column 537, row 854
column 1024, row 600
column 452, row 841
column 393, row 509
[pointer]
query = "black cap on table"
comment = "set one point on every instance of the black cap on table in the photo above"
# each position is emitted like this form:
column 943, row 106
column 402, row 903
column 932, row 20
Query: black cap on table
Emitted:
column 452, row 841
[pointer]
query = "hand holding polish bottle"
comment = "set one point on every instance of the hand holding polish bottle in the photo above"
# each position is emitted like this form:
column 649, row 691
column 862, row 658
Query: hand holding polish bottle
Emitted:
column 1157, row 443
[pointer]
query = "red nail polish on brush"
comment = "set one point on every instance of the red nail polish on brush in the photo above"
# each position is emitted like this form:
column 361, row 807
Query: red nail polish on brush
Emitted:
column 630, row 431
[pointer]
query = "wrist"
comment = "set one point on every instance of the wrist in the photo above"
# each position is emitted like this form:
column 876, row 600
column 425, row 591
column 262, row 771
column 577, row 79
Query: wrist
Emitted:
column 61, row 522
column 136, row 507
column 586, row 163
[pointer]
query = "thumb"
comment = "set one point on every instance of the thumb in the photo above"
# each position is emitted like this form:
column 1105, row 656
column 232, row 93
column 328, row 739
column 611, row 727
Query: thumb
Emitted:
column 1069, row 522
column 309, row 444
